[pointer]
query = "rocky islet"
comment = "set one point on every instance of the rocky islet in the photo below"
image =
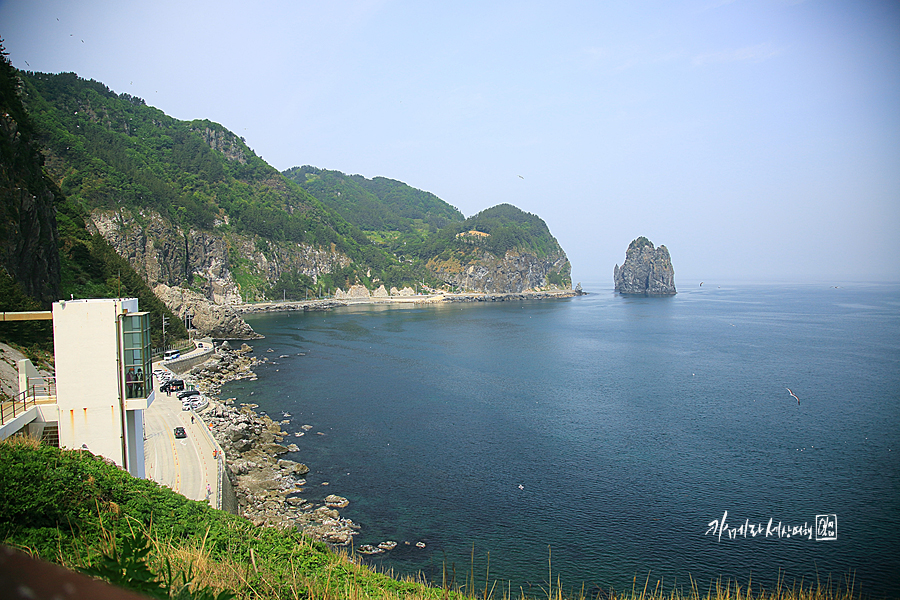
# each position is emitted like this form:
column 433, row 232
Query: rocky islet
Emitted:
column 647, row 271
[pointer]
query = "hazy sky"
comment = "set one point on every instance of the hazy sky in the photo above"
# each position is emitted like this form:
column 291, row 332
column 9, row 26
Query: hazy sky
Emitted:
column 756, row 140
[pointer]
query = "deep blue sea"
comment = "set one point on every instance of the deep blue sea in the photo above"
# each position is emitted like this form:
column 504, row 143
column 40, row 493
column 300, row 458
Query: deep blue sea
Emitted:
column 603, row 438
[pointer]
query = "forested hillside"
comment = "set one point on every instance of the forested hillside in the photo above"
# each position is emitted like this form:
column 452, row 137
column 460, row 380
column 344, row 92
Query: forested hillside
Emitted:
column 189, row 206
column 109, row 150
column 378, row 204
column 47, row 252
column 418, row 226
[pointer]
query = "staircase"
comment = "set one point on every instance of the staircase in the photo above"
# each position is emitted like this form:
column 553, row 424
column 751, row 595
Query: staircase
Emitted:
column 50, row 435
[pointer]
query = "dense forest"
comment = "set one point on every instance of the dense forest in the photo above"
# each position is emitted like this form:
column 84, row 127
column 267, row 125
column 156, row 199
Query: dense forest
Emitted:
column 417, row 226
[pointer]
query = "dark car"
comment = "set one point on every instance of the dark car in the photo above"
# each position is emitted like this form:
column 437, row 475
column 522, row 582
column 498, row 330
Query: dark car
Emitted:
column 172, row 385
column 188, row 394
column 180, row 433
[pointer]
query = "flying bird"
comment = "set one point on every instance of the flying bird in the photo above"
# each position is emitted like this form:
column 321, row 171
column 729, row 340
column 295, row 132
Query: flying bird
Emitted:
column 520, row 177
column 794, row 395
column 701, row 284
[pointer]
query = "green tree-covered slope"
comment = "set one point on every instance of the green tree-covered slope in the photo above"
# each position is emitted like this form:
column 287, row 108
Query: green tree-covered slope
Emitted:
column 507, row 228
column 109, row 149
column 111, row 152
column 47, row 251
column 376, row 205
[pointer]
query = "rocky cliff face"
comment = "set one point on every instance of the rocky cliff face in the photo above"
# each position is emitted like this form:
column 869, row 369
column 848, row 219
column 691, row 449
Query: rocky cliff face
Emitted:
column 213, row 320
column 514, row 273
column 647, row 271
column 206, row 271
column 226, row 268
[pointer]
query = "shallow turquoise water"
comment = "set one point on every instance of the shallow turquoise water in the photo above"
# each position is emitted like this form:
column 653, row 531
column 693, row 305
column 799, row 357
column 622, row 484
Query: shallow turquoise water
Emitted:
column 605, row 432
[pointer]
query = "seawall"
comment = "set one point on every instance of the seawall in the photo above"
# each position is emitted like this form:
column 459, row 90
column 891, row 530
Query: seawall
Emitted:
column 185, row 363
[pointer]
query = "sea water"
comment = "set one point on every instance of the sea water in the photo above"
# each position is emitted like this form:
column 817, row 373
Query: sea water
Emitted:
column 605, row 439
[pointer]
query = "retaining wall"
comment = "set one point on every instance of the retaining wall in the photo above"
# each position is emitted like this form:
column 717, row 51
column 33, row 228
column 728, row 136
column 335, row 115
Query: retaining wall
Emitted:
column 185, row 363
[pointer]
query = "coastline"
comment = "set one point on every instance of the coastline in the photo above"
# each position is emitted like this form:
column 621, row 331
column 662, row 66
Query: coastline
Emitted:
column 329, row 303
column 268, row 490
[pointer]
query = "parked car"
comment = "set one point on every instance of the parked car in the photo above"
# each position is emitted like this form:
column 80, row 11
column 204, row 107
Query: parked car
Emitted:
column 180, row 432
column 188, row 394
column 172, row 385
column 186, row 405
column 197, row 401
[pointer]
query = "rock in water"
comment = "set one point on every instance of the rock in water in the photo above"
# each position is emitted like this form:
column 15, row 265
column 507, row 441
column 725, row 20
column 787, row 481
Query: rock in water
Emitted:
column 647, row 271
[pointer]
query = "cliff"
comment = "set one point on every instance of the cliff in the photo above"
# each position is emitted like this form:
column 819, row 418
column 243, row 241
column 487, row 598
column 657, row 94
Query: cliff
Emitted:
column 647, row 271
column 213, row 320
column 515, row 272
column 207, row 271
column 223, row 266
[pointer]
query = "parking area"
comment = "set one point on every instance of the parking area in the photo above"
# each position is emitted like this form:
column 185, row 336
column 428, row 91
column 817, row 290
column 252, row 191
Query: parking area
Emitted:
column 184, row 463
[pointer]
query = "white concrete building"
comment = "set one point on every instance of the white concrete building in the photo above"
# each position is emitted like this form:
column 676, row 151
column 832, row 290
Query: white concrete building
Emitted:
column 103, row 381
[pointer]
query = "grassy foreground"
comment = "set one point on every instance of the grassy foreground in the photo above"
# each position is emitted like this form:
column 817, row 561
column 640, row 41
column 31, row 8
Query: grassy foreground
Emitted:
column 75, row 509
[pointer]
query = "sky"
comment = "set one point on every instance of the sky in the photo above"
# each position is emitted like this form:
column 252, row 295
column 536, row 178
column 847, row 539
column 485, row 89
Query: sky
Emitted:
column 756, row 140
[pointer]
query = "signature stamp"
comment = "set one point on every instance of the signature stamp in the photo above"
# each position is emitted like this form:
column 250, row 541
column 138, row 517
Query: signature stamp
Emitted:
column 826, row 527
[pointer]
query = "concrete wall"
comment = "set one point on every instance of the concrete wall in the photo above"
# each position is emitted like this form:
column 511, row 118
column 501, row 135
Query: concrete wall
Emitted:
column 229, row 498
column 188, row 361
column 86, row 345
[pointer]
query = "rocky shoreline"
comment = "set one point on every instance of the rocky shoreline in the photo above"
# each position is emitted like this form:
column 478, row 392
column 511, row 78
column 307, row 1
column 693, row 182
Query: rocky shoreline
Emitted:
column 269, row 489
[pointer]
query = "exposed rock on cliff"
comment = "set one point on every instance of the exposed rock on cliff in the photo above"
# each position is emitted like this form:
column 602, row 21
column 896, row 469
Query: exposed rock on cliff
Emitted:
column 647, row 271
column 214, row 320
column 228, row 268
column 514, row 273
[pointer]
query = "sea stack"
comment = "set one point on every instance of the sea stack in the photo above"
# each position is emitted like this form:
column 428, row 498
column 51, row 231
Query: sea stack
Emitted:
column 647, row 271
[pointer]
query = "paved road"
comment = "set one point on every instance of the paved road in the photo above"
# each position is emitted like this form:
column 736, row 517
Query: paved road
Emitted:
column 184, row 465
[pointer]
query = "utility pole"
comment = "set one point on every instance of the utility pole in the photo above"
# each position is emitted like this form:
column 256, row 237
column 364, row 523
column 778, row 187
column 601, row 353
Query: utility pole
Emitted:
column 164, row 320
column 189, row 323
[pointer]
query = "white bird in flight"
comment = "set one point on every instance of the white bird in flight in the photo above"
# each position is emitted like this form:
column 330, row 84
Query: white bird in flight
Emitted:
column 794, row 395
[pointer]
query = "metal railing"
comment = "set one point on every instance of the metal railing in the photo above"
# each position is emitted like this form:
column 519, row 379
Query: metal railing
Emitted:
column 21, row 402
column 45, row 389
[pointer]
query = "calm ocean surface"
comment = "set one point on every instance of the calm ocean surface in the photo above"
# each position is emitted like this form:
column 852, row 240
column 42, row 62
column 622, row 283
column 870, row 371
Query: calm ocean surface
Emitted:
column 605, row 433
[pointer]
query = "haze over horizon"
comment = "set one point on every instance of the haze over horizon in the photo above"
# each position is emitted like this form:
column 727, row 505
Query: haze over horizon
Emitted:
column 755, row 140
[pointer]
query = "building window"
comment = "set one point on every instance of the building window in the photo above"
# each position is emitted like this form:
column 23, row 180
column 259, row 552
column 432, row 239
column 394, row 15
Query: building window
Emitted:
column 136, row 355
